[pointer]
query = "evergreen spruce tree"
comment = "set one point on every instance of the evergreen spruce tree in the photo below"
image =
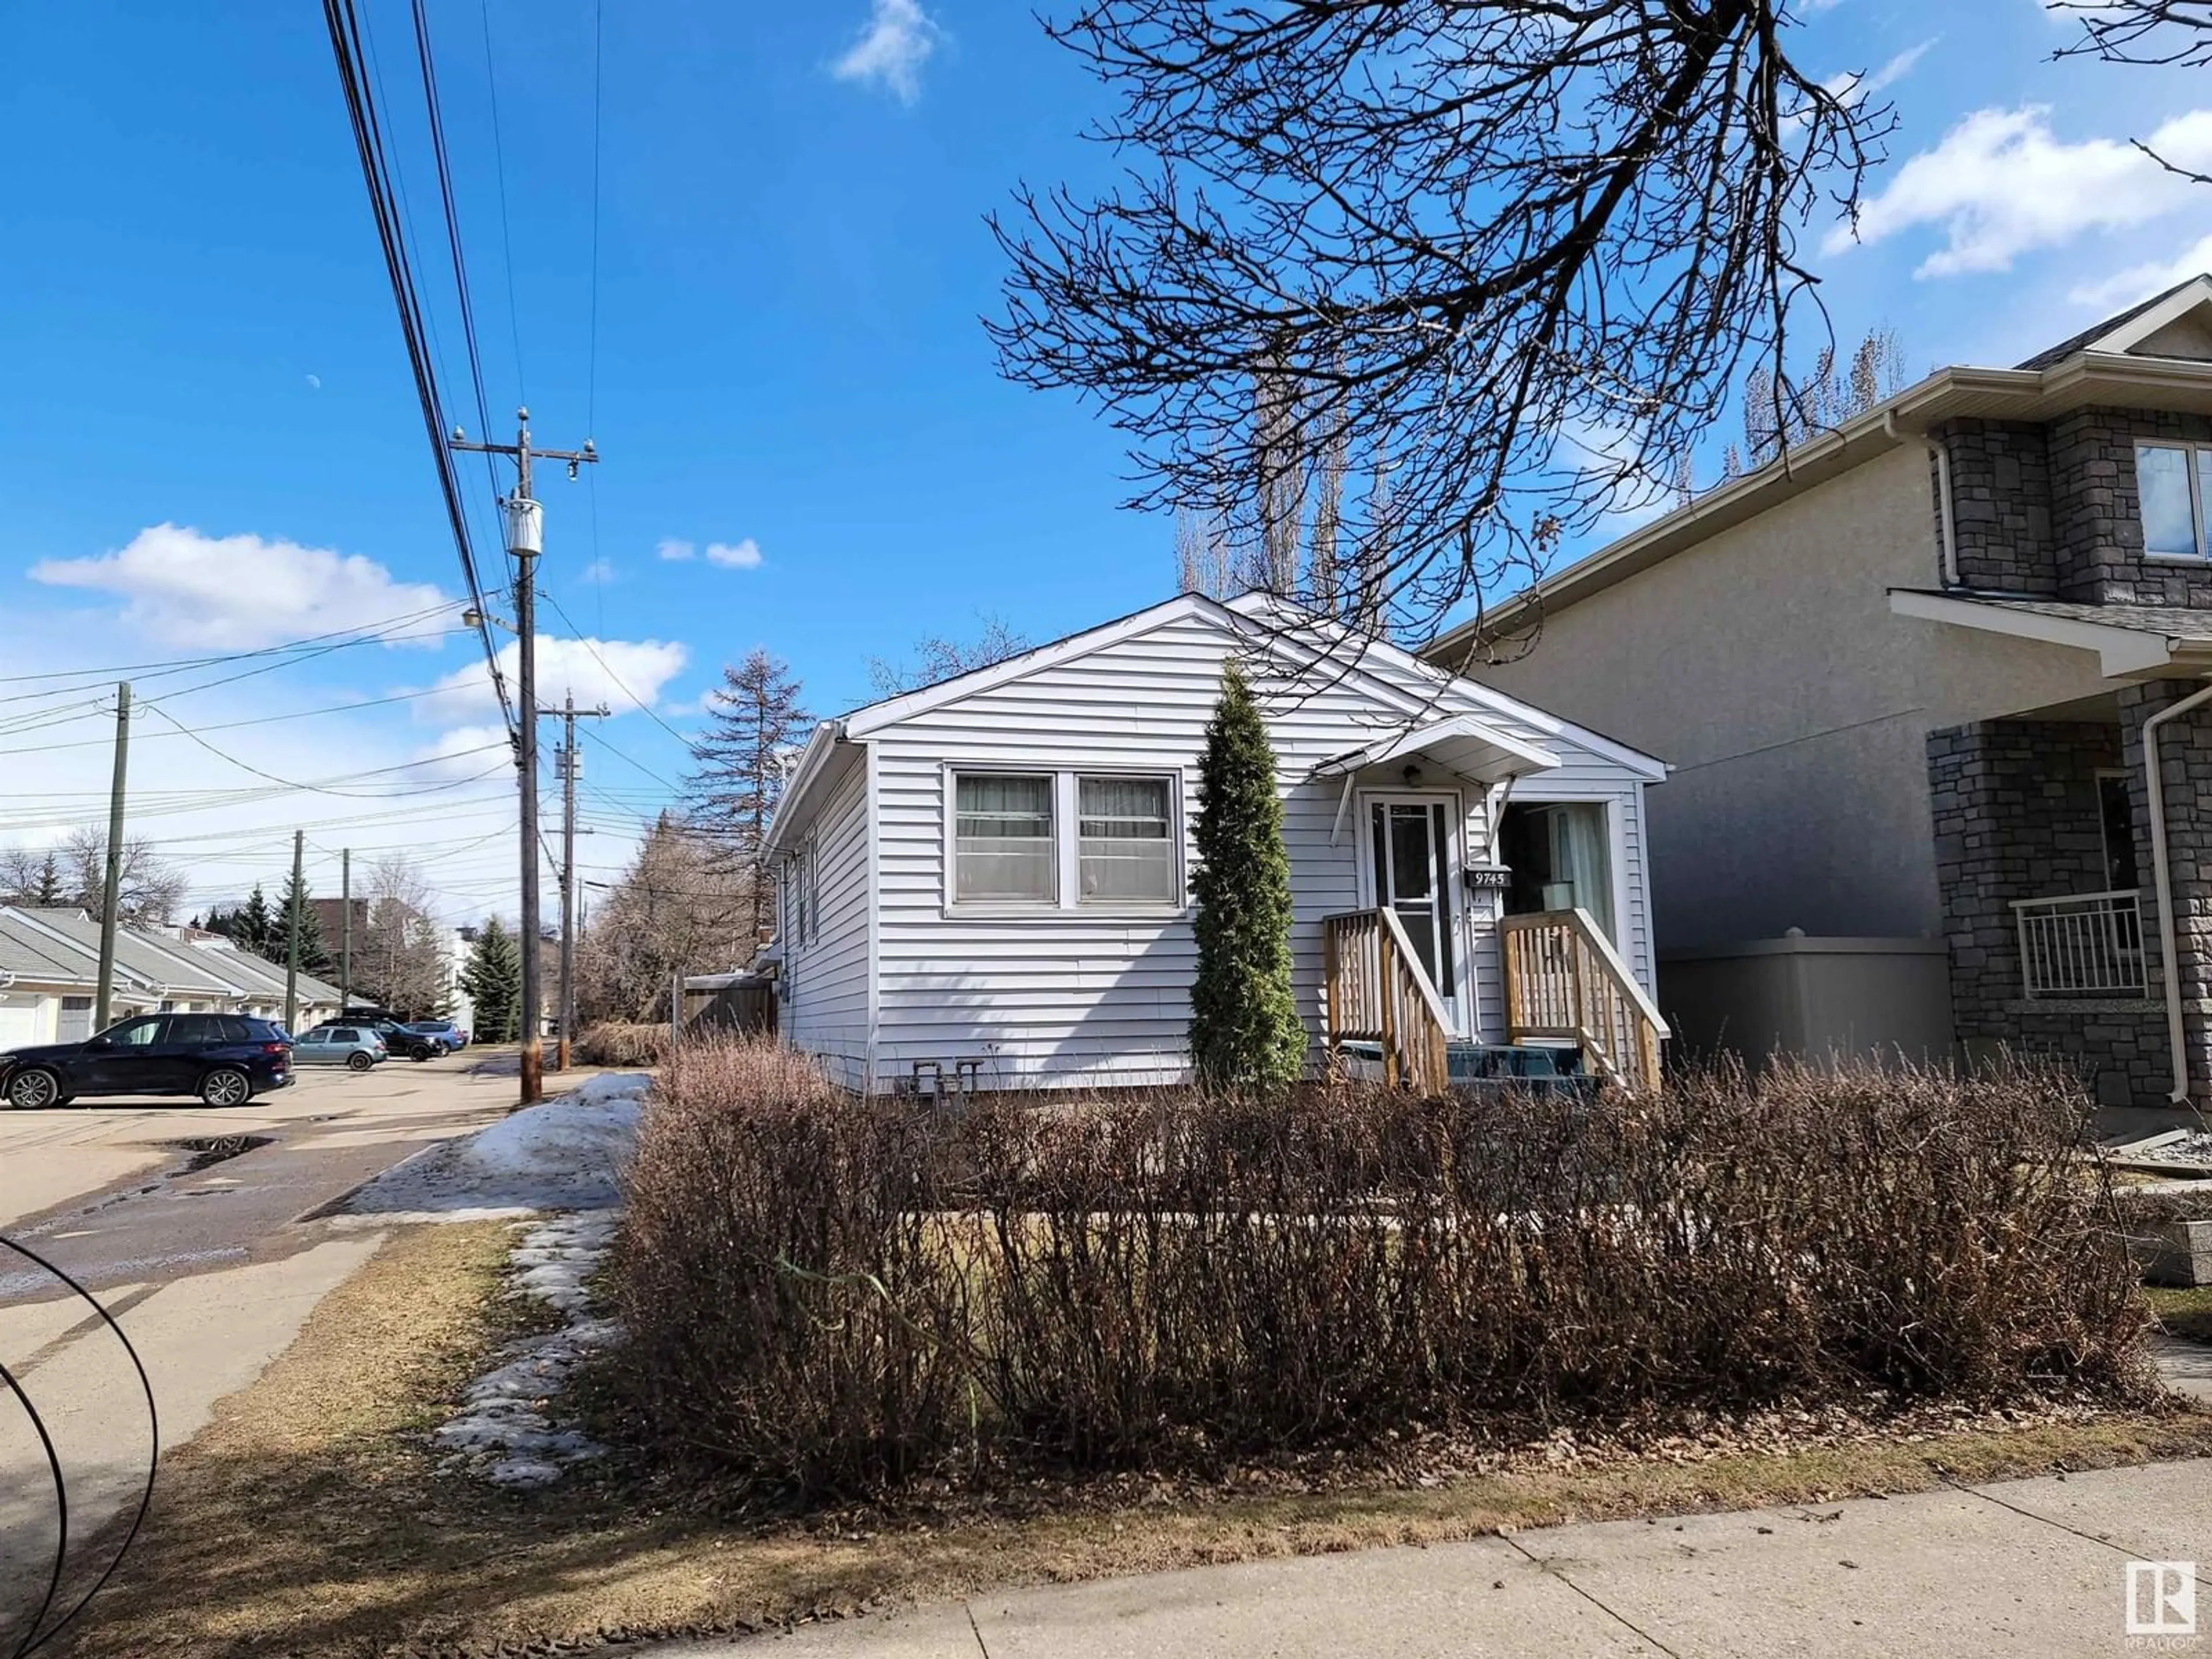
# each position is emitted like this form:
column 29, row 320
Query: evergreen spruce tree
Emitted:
column 752, row 718
column 253, row 926
column 52, row 889
column 493, row 980
column 314, row 952
column 1245, row 1031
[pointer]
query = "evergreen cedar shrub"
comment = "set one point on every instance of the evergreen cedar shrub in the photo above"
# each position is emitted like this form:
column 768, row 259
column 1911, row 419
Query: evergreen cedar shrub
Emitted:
column 828, row 1297
column 1245, row 1031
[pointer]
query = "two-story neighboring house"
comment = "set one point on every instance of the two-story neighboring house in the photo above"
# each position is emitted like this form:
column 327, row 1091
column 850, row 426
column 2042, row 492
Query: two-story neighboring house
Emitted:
column 1936, row 690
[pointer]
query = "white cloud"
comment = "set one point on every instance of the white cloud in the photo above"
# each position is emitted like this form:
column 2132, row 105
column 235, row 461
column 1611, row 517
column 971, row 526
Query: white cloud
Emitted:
column 2122, row 288
column 610, row 671
column 1855, row 88
column 731, row 555
column 599, row 570
column 234, row 593
column 314, row 383
column 896, row 42
column 734, row 555
column 2001, row 184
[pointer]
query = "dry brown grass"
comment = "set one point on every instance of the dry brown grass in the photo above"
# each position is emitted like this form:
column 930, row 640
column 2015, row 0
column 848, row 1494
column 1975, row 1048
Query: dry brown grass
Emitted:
column 307, row 1518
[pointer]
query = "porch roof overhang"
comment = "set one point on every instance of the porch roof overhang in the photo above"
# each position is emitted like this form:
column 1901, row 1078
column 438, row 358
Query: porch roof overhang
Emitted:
column 2132, row 641
column 1467, row 745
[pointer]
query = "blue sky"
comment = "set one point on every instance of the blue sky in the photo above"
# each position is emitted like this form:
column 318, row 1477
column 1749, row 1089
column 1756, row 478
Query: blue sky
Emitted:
column 210, row 441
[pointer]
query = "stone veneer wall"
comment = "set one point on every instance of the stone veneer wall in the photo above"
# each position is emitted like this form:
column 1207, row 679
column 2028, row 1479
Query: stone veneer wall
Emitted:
column 2014, row 805
column 2000, row 506
column 2096, row 516
column 2185, row 764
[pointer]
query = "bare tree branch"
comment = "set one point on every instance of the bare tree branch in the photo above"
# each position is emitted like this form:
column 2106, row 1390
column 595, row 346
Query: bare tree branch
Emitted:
column 1450, row 237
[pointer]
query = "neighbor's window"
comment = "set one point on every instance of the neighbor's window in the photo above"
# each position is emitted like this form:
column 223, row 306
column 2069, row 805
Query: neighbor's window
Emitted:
column 1002, row 845
column 2172, row 481
column 1126, row 835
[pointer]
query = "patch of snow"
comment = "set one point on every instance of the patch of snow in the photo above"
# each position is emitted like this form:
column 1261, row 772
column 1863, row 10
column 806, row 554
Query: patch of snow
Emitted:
column 505, row 1431
column 567, row 1154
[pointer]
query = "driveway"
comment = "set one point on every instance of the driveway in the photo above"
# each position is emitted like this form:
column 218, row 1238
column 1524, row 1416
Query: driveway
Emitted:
column 210, row 1266
column 107, row 1191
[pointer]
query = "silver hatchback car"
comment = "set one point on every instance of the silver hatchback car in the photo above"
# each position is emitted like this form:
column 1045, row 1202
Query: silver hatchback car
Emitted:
column 356, row 1047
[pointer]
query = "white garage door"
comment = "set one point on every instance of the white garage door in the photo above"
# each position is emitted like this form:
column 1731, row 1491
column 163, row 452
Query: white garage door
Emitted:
column 19, row 1019
column 75, row 1023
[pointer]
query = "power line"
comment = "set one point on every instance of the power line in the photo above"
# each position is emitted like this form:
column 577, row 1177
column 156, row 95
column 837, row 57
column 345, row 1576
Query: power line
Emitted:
column 592, row 355
column 506, row 237
column 592, row 646
column 344, row 28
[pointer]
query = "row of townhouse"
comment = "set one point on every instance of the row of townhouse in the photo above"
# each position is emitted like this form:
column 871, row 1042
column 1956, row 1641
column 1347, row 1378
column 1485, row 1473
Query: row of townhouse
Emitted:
column 50, row 962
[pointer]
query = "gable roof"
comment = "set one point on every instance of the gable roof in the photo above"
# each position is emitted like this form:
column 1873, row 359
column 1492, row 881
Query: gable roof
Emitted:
column 1307, row 640
column 2113, row 334
column 2102, row 365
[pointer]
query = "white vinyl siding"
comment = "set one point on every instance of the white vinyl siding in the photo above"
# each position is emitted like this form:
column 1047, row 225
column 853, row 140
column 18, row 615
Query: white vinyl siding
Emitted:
column 1070, row 994
column 823, row 996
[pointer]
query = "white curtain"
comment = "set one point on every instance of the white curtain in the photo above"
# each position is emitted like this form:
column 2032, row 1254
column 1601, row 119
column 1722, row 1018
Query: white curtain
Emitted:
column 1581, row 860
column 1126, row 846
column 1002, row 838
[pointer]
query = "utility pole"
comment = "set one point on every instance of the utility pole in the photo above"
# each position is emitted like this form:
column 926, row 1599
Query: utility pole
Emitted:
column 526, row 537
column 292, row 948
column 570, row 760
column 345, row 928
column 110, row 899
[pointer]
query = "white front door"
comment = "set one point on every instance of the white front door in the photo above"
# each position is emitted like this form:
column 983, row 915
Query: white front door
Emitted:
column 1409, row 863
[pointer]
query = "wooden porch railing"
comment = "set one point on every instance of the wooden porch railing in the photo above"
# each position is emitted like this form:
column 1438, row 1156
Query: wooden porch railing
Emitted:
column 1378, row 993
column 1565, row 980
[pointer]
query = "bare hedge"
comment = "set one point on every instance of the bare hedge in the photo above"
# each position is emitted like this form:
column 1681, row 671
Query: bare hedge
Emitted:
column 619, row 1042
column 828, row 1295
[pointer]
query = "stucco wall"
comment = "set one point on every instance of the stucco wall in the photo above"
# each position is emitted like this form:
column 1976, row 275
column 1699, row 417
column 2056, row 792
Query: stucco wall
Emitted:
column 1766, row 666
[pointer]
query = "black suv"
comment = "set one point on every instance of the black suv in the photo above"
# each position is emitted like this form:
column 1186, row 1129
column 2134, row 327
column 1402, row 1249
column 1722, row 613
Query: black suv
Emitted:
column 224, row 1059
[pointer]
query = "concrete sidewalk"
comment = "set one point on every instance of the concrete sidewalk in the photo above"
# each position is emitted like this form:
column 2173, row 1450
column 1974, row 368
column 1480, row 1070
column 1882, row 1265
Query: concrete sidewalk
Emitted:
column 2020, row 1569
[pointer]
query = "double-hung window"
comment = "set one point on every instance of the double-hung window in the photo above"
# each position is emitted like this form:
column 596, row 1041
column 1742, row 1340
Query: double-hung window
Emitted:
column 1003, row 840
column 1125, row 852
column 1062, row 840
column 2173, row 483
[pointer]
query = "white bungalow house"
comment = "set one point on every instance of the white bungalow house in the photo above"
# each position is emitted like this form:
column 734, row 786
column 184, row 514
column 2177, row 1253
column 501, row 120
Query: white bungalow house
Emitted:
column 984, row 884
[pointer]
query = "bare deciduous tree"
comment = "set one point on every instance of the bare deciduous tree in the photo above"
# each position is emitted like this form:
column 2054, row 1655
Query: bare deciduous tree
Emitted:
column 33, row 876
column 151, row 888
column 398, row 962
column 938, row 659
column 1449, row 237
column 678, row 908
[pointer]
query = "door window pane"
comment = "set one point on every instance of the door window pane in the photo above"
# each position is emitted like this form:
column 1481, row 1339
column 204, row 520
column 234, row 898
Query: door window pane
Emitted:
column 2117, row 813
column 1002, row 846
column 137, row 1033
column 2169, row 526
column 1406, row 866
column 1126, row 845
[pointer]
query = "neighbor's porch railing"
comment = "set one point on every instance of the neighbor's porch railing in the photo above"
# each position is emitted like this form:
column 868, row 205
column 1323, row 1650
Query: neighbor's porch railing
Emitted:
column 1564, row 978
column 1378, row 993
column 2087, row 944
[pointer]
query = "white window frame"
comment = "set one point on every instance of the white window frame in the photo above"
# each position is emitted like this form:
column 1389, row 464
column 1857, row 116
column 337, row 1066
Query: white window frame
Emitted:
column 1066, row 839
column 2193, row 452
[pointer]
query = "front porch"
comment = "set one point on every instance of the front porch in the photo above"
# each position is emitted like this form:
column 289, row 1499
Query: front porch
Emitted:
column 2047, row 871
column 1493, row 898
